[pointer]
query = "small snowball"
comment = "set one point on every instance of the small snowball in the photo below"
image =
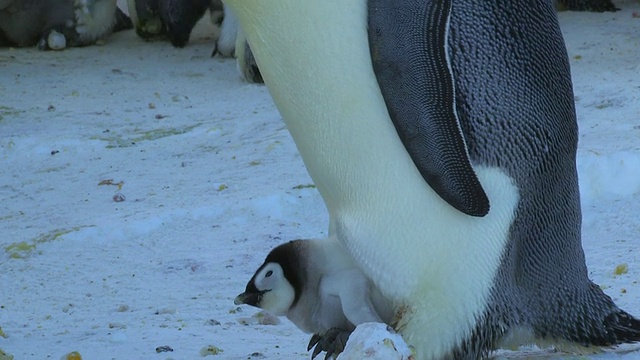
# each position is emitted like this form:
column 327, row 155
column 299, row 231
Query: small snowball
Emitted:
column 374, row 341
column 56, row 41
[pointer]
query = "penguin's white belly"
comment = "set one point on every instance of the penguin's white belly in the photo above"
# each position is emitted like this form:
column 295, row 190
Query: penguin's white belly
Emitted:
column 94, row 19
column 436, row 263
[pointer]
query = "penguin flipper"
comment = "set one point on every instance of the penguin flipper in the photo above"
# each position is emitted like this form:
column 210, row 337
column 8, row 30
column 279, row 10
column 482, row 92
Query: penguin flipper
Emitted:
column 408, row 43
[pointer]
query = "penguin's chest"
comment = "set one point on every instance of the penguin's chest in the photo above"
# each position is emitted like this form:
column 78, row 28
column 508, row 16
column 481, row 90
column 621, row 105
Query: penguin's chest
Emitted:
column 315, row 315
column 330, row 314
column 93, row 18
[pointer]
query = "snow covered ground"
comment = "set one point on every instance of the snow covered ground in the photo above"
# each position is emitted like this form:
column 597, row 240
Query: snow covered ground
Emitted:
column 211, row 181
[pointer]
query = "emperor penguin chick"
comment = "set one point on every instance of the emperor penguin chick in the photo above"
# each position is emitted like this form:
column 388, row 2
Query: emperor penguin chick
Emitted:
column 318, row 287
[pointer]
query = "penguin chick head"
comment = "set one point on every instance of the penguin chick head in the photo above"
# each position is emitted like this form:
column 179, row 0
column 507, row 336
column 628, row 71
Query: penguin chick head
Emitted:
column 269, row 289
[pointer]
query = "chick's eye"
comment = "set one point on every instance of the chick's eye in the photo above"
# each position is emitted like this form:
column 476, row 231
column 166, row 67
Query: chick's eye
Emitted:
column 269, row 273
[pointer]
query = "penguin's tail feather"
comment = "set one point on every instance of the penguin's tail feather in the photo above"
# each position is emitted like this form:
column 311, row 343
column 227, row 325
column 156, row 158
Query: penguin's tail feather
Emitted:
column 624, row 326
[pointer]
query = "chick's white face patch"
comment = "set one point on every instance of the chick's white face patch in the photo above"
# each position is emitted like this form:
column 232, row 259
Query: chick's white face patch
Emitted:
column 278, row 292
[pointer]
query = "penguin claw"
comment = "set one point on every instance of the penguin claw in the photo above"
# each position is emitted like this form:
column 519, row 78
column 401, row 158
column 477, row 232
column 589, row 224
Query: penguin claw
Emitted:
column 332, row 343
column 316, row 352
column 328, row 355
column 42, row 44
column 314, row 341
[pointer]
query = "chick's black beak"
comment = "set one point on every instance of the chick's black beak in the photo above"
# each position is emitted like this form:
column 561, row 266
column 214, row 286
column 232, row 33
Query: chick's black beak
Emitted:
column 249, row 298
column 251, row 295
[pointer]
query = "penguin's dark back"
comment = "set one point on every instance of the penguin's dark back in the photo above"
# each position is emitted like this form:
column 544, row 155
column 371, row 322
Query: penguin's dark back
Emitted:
column 515, row 102
column 513, row 86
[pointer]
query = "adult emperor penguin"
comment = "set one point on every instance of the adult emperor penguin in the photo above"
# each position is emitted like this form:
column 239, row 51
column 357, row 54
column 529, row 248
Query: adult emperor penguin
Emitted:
column 442, row 137
column 56, row 24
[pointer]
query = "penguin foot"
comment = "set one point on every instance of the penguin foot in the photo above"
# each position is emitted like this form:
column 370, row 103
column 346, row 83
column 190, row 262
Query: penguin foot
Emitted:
column 42, row 43
column 252, row 74
column 249, row 66
column 332, row 342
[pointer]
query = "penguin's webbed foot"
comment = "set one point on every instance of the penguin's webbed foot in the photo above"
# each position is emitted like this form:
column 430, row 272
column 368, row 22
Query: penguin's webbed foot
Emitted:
column 249, row 67
column 332, row 343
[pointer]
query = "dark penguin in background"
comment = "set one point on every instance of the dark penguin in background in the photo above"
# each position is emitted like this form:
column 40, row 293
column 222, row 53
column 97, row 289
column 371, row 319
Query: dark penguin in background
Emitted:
column 180, row 16
column 586, row 5
column 442, row 138
column 174, row 19
column 56, row 24
column 145, row 15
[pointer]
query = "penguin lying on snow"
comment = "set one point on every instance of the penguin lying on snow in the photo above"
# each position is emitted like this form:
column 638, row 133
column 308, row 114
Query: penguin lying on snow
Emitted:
column 317, row 286
column 442, row 138
column 174, row 19
column 56, row 24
